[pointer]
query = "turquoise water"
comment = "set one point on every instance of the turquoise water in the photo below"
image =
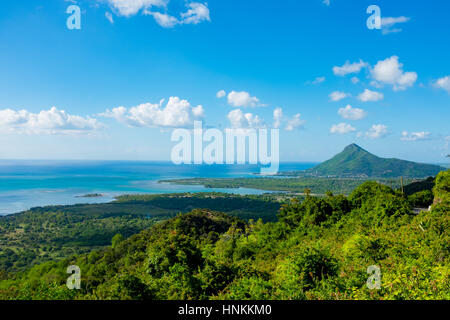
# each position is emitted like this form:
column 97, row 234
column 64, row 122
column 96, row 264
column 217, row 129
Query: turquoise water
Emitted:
column 27, row 184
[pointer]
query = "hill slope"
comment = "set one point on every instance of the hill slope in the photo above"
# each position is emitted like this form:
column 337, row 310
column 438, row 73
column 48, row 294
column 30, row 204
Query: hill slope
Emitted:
column 355, row 161
column 319, row 249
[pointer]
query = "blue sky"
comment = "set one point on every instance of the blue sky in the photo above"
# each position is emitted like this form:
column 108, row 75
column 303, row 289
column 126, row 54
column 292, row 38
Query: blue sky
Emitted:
column 95, row 93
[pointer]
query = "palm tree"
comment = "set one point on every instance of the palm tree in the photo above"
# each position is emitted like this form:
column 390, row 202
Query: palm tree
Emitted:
column 307, row 192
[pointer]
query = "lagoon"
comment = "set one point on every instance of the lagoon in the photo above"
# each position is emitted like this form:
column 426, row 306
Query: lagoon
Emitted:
column 25, row 184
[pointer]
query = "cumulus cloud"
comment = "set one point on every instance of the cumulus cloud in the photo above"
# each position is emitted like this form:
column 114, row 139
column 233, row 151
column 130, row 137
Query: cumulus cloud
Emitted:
column 338, row 95
column 352, row 113
column 47, row 122
column 220, row 94
column 348, row 68
column 388, row 24
column 295, row 123
column 177, row 113
column 341, row 128
column 390, row 71
column 129, row 8
column 277, row 117
column 239, row 120
column 414, row 136
column 242, row 99
column 369, row 95
column 163, row 19
column 443, row 83
column 196, row 13
column 290, row 123
column 375, row 132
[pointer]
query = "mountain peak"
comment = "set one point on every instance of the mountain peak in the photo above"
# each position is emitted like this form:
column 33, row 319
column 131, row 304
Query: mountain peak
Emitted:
column 354, row 161
column 353, row 147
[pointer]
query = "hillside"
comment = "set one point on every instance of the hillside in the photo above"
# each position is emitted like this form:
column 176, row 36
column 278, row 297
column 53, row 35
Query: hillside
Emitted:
column 55, row 232
column 319, row 249
column 354, row 161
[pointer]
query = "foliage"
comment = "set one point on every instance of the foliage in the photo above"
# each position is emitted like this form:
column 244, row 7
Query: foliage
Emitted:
column 320, row 248
column 299, row 185
column 55, row 232
column 421, row 199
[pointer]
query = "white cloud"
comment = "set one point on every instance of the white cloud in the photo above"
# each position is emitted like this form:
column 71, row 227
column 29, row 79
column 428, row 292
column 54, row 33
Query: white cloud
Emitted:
column 176, row 114
column 414, row 136
column 239, row 120
column 277, row 117
column 47, row 122
column 341, row 128
column 163, row 19
column 443, row 83
column 129, row 8
column 355, row 80
column 295, row 123
column 375, row 132
column 318, row 80
column 242, row 99
column 338, row 95
column 369, row 95
column 388, row 23
column 109, row 16
column 220, row 94
column 196, row 13
column 326, row 2
column 291, row 123
column 348, row 68
column 352, row 113
column 389, row 71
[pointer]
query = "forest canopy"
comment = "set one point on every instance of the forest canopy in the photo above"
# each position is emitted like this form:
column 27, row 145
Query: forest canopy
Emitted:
column 318, row 248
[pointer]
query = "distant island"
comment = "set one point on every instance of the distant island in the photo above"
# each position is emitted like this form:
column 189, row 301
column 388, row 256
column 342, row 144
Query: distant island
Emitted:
column 91, row 195
column 354, row 161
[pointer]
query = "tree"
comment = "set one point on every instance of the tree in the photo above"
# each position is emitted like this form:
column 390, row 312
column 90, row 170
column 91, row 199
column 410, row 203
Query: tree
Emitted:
column 307, row 192
column 118, row 238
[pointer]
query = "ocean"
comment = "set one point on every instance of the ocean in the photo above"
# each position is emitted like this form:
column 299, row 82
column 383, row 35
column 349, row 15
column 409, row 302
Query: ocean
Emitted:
column 27, row 184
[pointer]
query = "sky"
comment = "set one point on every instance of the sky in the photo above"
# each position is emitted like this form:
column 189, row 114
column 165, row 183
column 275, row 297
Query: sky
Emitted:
column 136, row 70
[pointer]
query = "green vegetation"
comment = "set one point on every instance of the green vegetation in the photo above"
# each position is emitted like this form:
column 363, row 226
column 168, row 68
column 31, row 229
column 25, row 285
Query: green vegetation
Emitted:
column 56, row 232
column 298, row 185
column 91, row 195
column 421, row 199
column 421, row 185
column 357, row 162
column 320, row 248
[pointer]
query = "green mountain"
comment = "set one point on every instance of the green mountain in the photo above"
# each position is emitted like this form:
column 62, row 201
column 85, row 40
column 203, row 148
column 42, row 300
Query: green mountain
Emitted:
column 354, row 161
